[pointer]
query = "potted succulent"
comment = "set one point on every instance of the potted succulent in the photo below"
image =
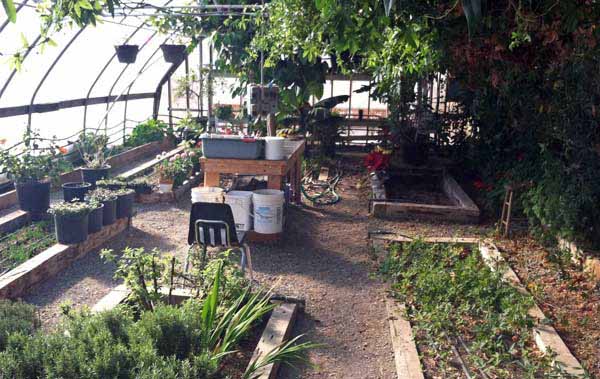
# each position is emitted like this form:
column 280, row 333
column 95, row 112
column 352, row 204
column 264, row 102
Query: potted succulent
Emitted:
column 32, row 171
column 141, row 186
column 173, row 53
column 125, row 198
column 75, row 191
column 127, row 53
column 92, row 148
column 71, row 221
column 112, row 184
column 109, row 199
column 96, row 217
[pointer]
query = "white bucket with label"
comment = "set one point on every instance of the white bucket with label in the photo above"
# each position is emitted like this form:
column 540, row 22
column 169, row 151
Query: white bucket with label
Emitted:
column 268, row 211
column 241, row 206
column 207, row 195
column 274, row 150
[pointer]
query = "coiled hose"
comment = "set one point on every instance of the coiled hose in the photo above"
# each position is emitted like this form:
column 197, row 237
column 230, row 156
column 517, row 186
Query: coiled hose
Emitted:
column 321, row 192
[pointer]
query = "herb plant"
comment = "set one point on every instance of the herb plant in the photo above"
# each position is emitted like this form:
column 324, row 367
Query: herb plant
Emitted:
column 75, row 208
column 93, row 148
column 101, row 195
column 457, row 304
column 19, row 246
column 148, row 131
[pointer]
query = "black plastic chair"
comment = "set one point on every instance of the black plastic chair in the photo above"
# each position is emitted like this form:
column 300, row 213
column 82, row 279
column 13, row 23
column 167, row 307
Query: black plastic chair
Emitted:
column 212, row 224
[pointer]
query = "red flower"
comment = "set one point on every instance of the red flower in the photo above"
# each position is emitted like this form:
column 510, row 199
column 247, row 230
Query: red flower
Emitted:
column 376, row 161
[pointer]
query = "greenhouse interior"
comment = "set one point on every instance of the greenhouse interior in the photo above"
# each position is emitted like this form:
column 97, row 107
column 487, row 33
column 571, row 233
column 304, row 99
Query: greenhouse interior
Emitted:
column 299, row 189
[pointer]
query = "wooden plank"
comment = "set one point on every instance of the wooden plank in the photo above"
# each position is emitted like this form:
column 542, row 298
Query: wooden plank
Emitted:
column 53, row 260
column 8, row 199
column 403, row 239
column 276, row 332
column 546, row 337
column 13, row 221
column 116, row 296
column 149, row 164
column 408, row 364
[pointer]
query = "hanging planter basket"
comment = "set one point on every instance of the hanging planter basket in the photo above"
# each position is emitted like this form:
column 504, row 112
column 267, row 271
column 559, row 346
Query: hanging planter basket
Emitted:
column 173, row 53
column 127, row 53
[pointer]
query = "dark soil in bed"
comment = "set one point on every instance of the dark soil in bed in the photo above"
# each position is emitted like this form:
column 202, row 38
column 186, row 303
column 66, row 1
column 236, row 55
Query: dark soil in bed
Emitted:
column 419, row 189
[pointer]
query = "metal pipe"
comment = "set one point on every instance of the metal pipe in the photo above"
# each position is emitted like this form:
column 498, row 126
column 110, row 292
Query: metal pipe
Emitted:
column 48, row 73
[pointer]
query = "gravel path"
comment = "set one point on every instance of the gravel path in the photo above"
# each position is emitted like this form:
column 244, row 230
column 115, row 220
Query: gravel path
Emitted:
column 323, row 259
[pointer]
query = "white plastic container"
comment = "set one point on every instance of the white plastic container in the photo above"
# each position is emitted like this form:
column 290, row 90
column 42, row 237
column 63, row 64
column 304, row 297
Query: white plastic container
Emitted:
column 241, row 206
column 207, row 195
column 274, row 150
column 268, row 211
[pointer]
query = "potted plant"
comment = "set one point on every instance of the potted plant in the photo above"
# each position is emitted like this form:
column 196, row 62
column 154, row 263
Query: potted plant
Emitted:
column 92, row 148
column 75, row 191
column 96, row 217
column 127, row 53
column 125, row 199
column 224, row 112
column 141, row 186
column 173, row 53
column 71, row 221
column 112, row 184
column 109, row 199
column 175, row 170
column 32, row 171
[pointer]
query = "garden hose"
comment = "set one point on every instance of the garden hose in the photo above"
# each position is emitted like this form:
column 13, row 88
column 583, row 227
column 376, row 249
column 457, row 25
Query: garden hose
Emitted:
column 326, row 193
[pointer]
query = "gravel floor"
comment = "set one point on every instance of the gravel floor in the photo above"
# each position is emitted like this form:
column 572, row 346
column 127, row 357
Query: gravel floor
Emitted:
column 323, row 259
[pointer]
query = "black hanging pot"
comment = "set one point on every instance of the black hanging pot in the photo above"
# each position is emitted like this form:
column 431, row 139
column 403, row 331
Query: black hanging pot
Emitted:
column 109, row 212
column 127, row 53
column 92, row 175
column 173, row 53
column 96, row 219
column 34, row 197
column 125, row 205
column 71, row 229
column 75, row 191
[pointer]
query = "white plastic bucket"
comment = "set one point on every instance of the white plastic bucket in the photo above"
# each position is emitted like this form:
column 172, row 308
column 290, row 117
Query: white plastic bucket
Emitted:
column 207, row 195
column 268, row 211
column 274, row 150
column 241, row 206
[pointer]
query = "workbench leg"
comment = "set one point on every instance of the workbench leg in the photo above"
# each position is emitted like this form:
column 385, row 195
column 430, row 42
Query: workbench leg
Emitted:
column 298, row 182
column 275, row 182
column 211, row 179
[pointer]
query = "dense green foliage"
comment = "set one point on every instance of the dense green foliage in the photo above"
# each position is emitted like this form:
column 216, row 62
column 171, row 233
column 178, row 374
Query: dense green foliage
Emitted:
column 149, row 131
column 453, row 299
column 16, row 317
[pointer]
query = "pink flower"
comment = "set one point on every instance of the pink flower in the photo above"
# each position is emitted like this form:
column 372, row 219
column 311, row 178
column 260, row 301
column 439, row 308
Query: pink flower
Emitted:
column 192, row 154
column 184, row 155
column 172, row 159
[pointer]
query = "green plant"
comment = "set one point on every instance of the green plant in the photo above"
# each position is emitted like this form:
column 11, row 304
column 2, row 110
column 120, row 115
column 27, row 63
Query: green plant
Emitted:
column 454, row 301
column 16, row 317
column 75, row 208
column 176, row 168
column 141, row 185
column 34, row 163
column 148, row 131
column 93, row 149
column 101, row 195
column 112, row 183
column 224, row 112
column 19, row 246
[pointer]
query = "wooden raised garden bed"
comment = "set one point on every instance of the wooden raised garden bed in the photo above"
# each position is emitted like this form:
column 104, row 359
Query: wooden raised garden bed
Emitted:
column 171, row 196
column 408, row 363
column 429, row 194
column 53, row 260
column 277, row 330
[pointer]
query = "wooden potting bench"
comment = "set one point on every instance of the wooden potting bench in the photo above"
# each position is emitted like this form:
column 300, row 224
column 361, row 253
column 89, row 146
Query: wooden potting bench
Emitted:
column 278, row 172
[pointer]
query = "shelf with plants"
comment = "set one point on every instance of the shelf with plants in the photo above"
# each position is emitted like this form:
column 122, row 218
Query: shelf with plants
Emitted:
column 467, row 319
column 19, row 246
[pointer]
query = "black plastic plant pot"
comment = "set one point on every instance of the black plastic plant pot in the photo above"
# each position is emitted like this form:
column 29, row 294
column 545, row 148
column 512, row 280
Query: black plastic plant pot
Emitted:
column 92, row 175
column 34, row 197
column 71, row 229
column 109, row 212
column 127, row 53
column 125, row 205
column 75, row 191
column 173, row 53
column 96, row 220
